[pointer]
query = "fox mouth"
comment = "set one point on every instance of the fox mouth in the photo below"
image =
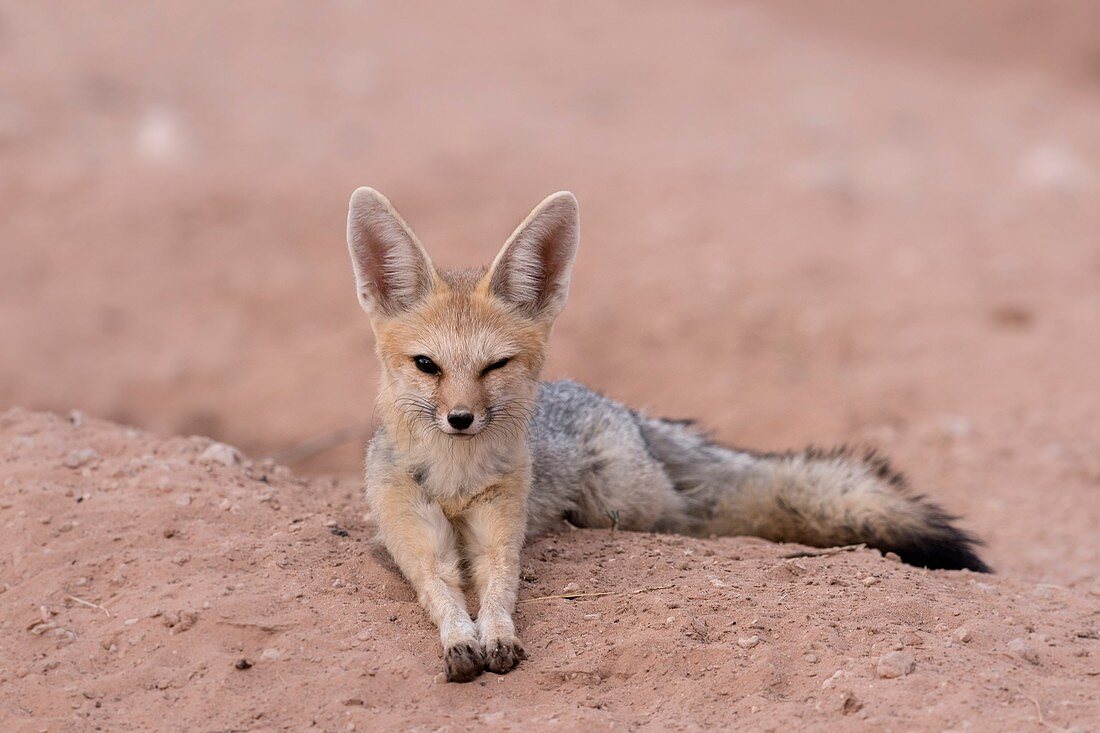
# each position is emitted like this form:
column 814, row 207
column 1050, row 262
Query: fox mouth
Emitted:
column 466, row 433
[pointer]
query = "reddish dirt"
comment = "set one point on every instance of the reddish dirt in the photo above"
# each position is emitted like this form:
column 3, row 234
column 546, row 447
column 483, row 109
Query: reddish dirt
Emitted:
column 812, row 222
column 139, row 572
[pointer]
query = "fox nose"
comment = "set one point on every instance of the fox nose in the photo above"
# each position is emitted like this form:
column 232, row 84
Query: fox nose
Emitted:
column 460, row 419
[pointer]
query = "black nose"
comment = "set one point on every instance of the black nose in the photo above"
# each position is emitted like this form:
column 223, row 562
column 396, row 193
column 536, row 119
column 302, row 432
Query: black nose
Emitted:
column 460, row 419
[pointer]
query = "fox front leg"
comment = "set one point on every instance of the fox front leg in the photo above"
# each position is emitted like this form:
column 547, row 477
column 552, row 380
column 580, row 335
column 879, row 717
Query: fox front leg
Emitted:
column 493, row 532
column 424, row 546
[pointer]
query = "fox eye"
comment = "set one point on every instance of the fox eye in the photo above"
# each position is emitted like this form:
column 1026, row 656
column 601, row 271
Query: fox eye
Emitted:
column 426, row 365
column 495, row 365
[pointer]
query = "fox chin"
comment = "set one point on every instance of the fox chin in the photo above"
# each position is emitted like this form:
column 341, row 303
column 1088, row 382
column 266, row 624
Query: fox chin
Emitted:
column 475, row 454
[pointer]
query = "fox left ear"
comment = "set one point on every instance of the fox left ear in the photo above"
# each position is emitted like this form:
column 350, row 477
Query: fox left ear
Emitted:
column 392, row 271
column 532, row 270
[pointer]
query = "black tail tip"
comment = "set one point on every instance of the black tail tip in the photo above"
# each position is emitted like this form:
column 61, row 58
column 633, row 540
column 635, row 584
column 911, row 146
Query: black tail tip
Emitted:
column 942, row 547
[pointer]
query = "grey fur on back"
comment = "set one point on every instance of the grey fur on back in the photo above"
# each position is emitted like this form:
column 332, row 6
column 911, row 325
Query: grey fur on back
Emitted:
column 597, row 463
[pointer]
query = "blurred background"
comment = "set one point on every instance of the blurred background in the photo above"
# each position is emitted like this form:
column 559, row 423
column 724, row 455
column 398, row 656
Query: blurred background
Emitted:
column 803, row 222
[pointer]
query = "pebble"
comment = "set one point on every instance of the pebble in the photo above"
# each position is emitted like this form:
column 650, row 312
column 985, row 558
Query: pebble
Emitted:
column 183, row 500
column 270, row 655
column 748, row 642
column 895, row 664
column 80, row 457
column 850, row 704
column 1021, row 649
column 221, row 453
column 717, row 583
column 571, row 588
column 243, row 664
column 869, row 581
column 963, row 634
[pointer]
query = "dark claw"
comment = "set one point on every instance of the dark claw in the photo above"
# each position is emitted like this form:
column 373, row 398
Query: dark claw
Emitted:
column 463, row 662
column 505, row 655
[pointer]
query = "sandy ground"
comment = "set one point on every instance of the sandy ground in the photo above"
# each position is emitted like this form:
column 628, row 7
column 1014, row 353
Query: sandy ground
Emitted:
column 811, row 222
column 140, row 572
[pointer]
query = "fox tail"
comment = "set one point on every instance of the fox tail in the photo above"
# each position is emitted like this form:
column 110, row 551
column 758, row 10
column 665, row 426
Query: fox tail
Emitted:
column 815, row 497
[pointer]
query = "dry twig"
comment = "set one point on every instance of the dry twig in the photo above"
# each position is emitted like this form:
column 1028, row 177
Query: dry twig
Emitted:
column 826, row 551
column 571, row 596
column 89, row 604
column 320, row 443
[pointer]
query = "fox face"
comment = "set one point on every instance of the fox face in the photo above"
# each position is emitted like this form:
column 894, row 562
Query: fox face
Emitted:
column 461, row 352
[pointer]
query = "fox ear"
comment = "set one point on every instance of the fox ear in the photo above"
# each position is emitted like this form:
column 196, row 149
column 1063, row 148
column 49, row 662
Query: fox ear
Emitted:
column 392, row 270
column 532, row 270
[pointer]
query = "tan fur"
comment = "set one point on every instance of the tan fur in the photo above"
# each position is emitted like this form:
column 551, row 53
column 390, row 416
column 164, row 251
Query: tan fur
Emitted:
column 443, row 501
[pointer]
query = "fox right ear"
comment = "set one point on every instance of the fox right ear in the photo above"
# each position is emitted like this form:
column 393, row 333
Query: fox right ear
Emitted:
column 392, row 271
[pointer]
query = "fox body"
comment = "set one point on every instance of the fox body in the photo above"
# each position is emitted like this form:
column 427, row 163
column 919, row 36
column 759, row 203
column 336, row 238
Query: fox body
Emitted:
column 475, row 455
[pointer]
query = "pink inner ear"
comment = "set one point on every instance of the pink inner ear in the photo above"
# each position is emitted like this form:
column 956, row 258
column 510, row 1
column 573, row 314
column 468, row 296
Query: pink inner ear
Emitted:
column 393, row 271
column 533, row 271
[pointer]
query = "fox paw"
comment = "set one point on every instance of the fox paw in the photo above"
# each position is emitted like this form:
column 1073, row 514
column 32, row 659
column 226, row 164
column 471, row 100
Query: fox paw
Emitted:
column 463, row 662
column 504, row 655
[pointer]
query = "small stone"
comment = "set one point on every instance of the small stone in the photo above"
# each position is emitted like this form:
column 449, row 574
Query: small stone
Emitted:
column 963, row 634
column 221, row 453
column 895, row 664
column 270, row 655
column 809, row 658
column 1023, row 650
column 717, row 583
column 571, row 588
column 187, row 619
column 80, row 457
column 748, row 642
column 243, row 664
column 892, row 557
column 591, row 617
column 869, row 580
column 76, row 417
column 181, row 558
column 337, row 583
column 850, row 704
column 183, row 500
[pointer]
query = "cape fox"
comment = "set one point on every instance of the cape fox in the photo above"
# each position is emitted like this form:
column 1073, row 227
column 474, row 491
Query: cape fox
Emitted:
column 475, row 454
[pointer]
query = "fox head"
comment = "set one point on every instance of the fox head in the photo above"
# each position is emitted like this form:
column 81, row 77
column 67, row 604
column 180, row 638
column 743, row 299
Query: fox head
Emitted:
column 461, row 351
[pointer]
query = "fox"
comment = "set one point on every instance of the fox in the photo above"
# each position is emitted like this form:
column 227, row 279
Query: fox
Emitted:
column 475, row 455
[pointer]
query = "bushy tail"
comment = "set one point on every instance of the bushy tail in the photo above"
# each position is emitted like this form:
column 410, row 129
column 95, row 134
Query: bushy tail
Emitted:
column 821, row 498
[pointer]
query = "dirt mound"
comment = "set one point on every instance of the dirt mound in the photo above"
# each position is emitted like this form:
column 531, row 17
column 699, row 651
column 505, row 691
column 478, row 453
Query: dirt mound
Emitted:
column 148, row 583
